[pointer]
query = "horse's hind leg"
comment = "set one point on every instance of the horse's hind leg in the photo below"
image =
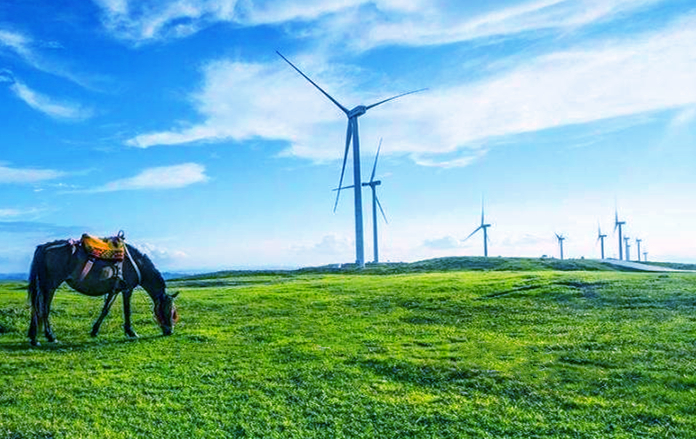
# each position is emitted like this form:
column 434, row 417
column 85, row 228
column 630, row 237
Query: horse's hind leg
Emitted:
column 48, row 332
column 108, row 301
column 127, row 314
column 34, row 327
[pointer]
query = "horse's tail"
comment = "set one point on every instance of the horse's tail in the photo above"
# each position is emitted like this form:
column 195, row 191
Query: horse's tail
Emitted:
column 35, row 296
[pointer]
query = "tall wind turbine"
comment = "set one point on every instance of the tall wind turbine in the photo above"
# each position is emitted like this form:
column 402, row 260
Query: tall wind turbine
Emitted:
column 619, row 224
column 638, row 241
column 485, row 227
column 560, row 238
column 352, row 134
column 600, row 237
column 645, row 256
column 628, row 247
column 375, row 203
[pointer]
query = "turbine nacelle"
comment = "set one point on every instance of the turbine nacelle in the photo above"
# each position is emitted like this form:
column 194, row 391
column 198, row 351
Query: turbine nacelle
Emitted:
column 373, row 183
column 357, row 111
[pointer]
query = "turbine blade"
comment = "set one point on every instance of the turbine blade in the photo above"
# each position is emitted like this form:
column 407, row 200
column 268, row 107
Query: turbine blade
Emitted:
column 393, row 97
column 349, row 133
column 381, row 210
column 472, row 233
column 374, row 167
column 344, row 109
column 341, row 188
column 482, row 221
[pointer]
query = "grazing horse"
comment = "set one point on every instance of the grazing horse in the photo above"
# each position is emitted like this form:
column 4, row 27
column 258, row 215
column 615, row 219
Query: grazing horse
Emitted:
column 67, row 261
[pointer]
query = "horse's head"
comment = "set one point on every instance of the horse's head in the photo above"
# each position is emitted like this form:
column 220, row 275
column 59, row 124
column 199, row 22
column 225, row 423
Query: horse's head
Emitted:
column 165, row 313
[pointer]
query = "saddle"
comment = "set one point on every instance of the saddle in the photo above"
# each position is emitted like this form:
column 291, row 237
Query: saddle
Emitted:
column 108, row 249
column 108, row 253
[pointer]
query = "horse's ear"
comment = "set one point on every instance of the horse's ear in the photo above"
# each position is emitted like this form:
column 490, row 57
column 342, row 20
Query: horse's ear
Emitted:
column 173, row 296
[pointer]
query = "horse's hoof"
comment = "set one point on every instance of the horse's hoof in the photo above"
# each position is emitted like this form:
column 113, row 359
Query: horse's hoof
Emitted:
column 93, row 334
column 35, row 343
column 132, row 334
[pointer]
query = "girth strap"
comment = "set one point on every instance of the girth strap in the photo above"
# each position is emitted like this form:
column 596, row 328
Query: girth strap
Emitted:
column 135, row 266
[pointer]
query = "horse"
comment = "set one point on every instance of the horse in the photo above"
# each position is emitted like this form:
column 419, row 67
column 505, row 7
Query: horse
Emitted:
column 65, row 261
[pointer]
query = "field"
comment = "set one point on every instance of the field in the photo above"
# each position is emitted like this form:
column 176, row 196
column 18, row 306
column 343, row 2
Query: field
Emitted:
column 382, row 354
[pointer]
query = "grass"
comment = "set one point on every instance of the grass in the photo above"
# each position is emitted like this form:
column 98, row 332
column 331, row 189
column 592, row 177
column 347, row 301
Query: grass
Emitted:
column 452, row 354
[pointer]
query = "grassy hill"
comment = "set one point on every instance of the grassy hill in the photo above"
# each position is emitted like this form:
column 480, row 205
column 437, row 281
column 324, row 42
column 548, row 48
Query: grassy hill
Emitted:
column 456, row 263
column 447, row 354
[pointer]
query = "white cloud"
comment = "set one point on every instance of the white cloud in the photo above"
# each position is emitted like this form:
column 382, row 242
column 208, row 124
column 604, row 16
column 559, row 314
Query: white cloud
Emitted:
column 164, row 177
column 47, row 105
column 11, row 213
column 684, row 117
column 27, row 175
column 591, row 82
column 453, row 22
column 25, row 48
column 363, row 23
column 160, row 254
column 143, row 21
column 445, row 243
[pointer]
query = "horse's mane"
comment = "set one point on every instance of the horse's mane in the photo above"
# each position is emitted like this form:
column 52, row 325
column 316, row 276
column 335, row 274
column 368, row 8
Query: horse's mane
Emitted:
column 146, row 265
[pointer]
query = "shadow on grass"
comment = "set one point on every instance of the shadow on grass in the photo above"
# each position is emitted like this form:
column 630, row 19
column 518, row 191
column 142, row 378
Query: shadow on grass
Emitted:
column 59, row 346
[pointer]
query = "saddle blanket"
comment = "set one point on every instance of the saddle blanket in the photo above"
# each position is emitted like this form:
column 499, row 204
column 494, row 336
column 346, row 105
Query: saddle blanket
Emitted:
column 110, row 249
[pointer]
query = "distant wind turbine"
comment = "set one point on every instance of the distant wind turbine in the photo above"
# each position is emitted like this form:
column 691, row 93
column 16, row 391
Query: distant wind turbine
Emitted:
column 352, row 134
column 375, row 203
column 560, row 238
column 619, row 224
column 600, row 237
column 485, row 227
column 638, row 241
column 628, row 247
column 645, row 256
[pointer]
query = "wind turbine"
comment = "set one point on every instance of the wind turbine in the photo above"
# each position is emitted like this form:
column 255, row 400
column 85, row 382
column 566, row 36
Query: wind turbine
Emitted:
column 619, row 224
column 352, row 134
column 560, row 238
column 645, row 256
column 628, row 247
column 485, row 227
column 601, row 237
column 638, row 241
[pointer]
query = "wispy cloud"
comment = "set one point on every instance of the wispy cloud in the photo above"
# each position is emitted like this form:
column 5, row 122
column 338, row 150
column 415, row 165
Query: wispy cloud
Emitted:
column 10, row 175
column 24, row 47
column 443, row 243
column 12, row 213
column 364, row 24
column 144, row 21
column 163, row 177
column 45, row 104
column 594, row 81
column 46, row 229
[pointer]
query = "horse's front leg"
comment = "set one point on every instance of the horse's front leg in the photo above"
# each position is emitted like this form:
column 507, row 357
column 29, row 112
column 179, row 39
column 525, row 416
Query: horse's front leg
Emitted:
column 127, row 314
column 110, row 298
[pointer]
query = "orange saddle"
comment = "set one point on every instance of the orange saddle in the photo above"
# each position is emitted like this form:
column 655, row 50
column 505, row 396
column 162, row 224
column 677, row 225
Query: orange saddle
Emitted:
column 110, row 249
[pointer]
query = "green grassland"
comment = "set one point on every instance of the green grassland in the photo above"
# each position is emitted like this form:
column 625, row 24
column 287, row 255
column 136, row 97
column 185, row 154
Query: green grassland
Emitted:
column 384, row 354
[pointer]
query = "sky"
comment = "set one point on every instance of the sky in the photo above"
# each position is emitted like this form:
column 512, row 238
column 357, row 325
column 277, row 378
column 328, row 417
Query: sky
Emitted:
column 177, row 122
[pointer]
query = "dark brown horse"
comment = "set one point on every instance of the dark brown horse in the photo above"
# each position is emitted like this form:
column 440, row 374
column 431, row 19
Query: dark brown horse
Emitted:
column 64, row 261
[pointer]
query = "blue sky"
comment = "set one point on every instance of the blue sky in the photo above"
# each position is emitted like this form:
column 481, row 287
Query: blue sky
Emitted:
column 178, row 123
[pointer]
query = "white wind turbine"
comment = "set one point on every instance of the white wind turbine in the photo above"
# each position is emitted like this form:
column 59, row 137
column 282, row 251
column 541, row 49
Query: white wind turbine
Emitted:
column 352, row 134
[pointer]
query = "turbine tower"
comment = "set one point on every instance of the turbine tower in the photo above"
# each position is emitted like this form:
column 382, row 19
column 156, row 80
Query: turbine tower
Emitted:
column 628, row 247
column 485, row 227
column 619, row 224
column 375, row 203
column 560, row 238
column 638, row 241
column 645, row 256
column 600, row 237
column 351, row 134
